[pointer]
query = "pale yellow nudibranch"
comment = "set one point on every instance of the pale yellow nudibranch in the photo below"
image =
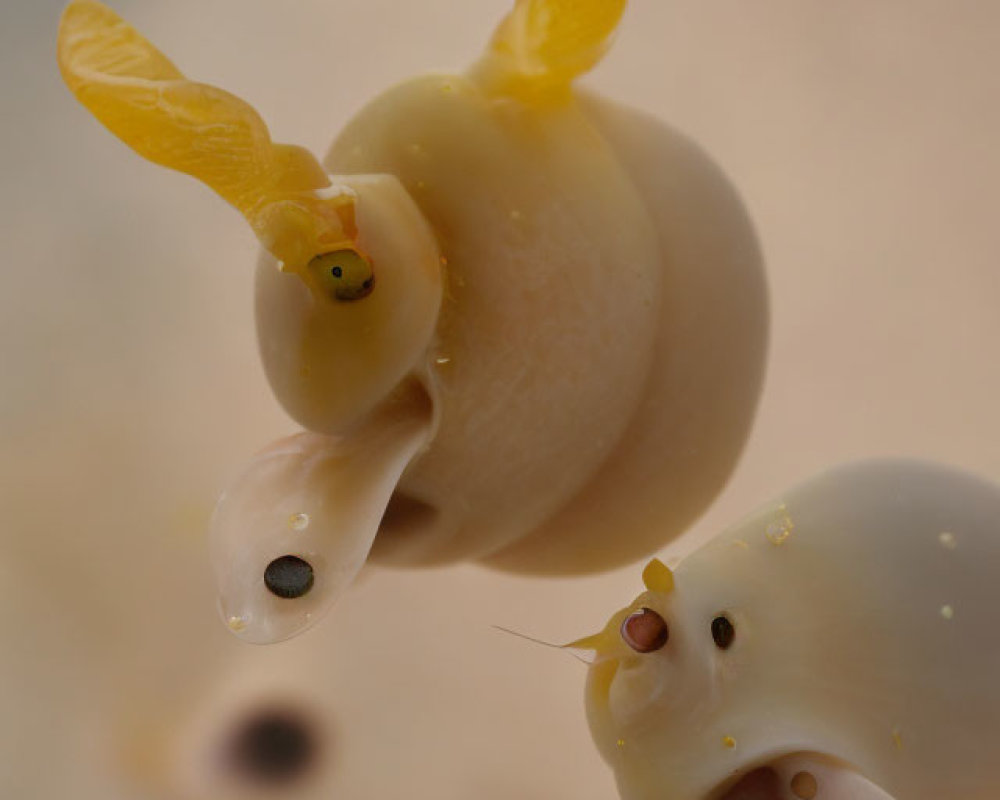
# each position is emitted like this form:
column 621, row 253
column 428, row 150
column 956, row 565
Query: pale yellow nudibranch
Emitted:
column 520, row 324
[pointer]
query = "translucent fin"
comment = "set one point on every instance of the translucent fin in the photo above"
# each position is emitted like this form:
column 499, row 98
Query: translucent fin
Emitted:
column 545, row 44
column 292, row 532
column 141, row 97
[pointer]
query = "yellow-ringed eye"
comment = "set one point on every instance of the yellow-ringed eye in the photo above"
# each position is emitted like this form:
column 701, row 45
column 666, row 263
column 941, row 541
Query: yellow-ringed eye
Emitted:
column 645, row 631
column 343, row 275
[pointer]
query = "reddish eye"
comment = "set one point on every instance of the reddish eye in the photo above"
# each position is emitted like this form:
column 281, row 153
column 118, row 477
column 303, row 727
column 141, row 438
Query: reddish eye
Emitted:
column 645, row 631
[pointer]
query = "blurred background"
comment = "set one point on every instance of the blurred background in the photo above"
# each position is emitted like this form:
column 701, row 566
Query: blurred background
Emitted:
column 862, row 137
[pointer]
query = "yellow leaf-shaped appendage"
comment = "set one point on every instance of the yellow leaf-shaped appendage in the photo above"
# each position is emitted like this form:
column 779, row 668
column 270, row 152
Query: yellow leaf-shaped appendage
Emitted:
column 141, row 97
column 542, row 45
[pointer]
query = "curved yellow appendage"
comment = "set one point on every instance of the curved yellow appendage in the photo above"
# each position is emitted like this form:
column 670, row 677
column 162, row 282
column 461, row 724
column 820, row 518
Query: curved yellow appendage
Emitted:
column 658, row 577
column 141, row 97
column 543, row 45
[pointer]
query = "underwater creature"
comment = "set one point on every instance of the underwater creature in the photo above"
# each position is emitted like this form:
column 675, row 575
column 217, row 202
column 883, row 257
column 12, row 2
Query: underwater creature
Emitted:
column 839, row 644
column 519, row 324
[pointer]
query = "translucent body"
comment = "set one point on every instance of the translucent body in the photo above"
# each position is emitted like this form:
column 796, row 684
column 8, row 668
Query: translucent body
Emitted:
column 863, row 604
column 574, row 289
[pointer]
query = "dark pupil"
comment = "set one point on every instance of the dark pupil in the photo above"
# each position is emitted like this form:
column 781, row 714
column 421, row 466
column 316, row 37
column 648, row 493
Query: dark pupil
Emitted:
column 289, row 577
column 645, row 631
column 337, row 272
column 274, row 747
column 723, row 632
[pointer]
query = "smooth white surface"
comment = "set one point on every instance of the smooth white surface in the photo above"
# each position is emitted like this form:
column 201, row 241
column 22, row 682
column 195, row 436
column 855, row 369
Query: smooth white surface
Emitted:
column 863, row 603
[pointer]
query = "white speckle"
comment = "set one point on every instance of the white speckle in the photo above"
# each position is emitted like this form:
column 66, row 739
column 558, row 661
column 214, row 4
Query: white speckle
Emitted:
column 947, row 540
column 336, row 190
column 947, row 612
column 442, row 360
column 298, row 522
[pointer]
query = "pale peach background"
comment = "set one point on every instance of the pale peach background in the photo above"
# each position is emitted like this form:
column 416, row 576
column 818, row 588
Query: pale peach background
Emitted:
column 863, row 138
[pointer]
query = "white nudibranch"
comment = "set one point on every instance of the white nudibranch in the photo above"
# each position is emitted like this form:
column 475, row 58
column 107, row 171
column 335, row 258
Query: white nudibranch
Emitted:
column 520, row 324
column 825, row 668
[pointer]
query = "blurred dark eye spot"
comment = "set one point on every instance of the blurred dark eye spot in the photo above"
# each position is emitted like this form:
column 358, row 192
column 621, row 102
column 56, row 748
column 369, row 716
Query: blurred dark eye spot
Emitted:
column 723, row 632
column 645, row 631
column 337, row 272
column 289, row 577
column 274, row 747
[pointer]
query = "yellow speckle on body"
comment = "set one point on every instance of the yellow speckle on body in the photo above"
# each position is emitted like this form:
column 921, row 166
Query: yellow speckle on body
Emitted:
column 947, row 540
column 620, row 743
column 298, row 522
column 729, row 742
column 777, row 532
column 897, row 738
column 947, row 612
column 236, row 624
column 741, row 543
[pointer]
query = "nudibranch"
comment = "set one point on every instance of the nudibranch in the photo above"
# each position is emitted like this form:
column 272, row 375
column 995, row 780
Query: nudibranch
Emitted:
column 519, row 324
column 839, row 644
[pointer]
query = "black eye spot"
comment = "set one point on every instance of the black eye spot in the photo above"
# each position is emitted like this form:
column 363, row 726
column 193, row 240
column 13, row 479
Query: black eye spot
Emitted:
column 289, row 577
column 723, row 632
column 336, row 272
column 274, row 746
column 645, row 631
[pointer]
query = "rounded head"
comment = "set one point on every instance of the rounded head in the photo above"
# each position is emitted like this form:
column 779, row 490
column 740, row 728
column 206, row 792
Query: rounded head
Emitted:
column 671, row 704
column 805, row 634
column 338, row 336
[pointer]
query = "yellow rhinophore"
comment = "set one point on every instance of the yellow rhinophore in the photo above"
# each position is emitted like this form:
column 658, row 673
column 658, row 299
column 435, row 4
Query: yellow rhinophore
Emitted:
column 141, row 97
column 543, row 45
column 657, row 577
